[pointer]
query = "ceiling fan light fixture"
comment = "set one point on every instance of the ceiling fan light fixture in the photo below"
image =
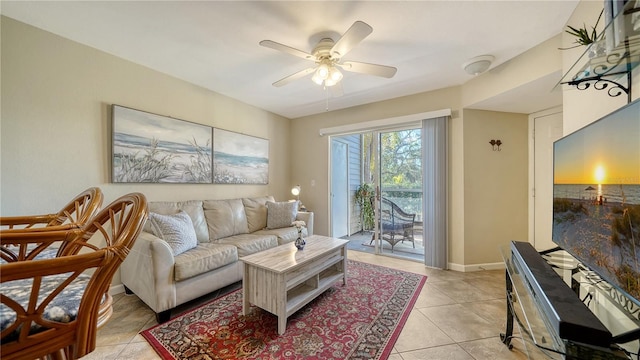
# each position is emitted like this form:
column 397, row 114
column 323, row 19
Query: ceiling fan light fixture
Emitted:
column 335, row 74
column 478, row 64
column 323, row 70
column 317, row 79
column 326, row 74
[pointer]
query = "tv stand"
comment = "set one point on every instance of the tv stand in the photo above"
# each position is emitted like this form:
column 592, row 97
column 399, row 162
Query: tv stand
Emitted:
column 549, row 311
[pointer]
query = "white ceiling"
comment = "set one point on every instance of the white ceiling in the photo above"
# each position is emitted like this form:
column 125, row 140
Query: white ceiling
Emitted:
column 214, row 44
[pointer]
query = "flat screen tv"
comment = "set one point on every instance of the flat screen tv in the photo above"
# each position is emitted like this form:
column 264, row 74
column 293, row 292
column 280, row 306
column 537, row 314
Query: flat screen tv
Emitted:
column 596, row 197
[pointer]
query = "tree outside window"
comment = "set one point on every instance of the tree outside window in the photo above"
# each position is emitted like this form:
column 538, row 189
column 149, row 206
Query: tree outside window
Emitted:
column 401, row 170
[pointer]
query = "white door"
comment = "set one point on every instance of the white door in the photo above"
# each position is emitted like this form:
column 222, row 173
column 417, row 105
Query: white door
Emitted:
column 339, row 189
column 547, row 129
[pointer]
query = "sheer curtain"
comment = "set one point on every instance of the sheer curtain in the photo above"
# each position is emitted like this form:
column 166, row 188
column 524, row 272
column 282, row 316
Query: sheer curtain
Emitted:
column 434, row 182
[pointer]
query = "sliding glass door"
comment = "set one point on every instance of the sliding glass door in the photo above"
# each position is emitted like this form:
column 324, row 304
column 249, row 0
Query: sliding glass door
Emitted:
column 396, row 190
column 398, row 180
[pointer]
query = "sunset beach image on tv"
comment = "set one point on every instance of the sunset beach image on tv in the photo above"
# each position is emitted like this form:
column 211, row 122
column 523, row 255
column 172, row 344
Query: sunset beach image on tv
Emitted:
column 596, row 197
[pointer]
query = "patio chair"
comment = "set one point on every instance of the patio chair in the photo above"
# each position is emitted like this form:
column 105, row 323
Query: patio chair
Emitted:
column 395, row 224
column 49, row 307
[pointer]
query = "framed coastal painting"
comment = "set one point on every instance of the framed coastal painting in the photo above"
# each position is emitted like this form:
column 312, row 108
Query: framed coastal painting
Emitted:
column 239, row 158
column 150, row 148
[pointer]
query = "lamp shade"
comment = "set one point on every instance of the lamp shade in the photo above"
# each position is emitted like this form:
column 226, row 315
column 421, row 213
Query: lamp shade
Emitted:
column 295, row 191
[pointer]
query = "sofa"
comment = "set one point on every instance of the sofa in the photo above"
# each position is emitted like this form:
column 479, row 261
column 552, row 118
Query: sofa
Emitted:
column 190, row 248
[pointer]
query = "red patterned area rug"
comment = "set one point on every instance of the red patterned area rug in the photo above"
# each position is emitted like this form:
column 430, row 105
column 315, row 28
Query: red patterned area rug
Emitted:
column 361, row 320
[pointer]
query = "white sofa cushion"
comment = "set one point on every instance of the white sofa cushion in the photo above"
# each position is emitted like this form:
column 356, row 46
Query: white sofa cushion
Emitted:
column 256, row 210
column 285, row 235
column 225, row 218
column 205, row 257
column 177, row 230
column 281, row 214
column 248, row 244
column 191, row 207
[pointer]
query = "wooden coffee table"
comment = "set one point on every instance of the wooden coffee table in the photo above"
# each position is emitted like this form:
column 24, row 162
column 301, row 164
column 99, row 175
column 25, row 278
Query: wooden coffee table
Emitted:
column 283, row 279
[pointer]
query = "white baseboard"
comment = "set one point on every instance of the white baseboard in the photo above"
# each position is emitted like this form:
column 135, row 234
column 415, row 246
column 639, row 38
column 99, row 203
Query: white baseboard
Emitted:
column 476, row 267
column 116, row 289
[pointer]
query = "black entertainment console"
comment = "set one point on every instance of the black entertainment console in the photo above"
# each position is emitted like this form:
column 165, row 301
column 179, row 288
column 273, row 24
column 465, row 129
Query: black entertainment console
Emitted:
column 551, row 314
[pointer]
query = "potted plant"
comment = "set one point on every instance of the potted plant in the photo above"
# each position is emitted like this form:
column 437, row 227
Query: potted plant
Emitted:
column 363, row 196
column 586, row 37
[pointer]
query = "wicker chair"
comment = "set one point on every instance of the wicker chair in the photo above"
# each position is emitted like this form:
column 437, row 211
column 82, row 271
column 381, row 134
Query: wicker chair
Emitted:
column 396, row 225
column 73, row 215
column 48, row 318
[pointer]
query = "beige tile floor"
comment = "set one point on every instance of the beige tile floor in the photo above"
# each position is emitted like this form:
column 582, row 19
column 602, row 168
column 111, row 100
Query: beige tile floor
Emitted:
column 457, row 316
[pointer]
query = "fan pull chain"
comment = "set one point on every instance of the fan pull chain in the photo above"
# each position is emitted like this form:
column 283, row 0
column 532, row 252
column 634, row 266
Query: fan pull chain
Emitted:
column 326, row 92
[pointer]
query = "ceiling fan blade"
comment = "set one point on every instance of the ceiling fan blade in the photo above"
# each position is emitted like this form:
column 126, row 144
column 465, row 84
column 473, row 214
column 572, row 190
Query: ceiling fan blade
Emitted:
column 286, row 49
column 356, row 33
column 369, row 69
column 293, row 77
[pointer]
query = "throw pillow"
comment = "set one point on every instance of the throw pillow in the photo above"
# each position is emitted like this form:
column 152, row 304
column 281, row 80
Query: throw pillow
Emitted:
column 281, row 214
column 256, row 210
column 192, row 207
column 177, row 230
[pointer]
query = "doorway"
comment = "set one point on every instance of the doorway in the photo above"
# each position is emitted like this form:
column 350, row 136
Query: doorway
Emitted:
column 431, row 221
column 547, row 128
column 391, row 162
column 398, row 178
column 339, row 188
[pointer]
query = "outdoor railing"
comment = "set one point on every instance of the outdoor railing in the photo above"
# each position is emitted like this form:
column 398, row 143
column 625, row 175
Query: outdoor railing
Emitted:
column 410, row 201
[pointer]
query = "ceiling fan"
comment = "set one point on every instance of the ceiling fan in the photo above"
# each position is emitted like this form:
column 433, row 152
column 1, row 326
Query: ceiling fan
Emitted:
column 328, row 55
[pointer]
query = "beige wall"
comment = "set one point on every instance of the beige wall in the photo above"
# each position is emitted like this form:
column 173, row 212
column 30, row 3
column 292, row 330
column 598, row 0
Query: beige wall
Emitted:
column 495, row 183
column 56, row 97
column 55, row 123
column 455, row 180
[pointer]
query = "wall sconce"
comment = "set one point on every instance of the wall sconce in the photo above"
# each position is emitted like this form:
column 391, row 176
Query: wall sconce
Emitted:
column 495, row 144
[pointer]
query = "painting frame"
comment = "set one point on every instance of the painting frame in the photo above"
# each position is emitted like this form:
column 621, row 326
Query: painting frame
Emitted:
column 152, row 148
column 239, row 158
